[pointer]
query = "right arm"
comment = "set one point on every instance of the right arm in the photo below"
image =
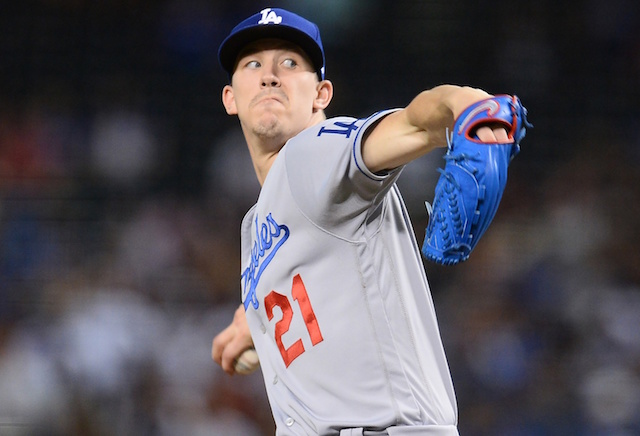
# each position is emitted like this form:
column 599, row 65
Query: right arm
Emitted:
column 229, row 344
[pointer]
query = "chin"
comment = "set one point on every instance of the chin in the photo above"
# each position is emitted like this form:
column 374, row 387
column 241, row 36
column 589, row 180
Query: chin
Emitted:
column 268, row 126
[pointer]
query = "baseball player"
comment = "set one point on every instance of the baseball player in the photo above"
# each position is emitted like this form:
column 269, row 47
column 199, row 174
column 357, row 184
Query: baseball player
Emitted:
column 335, row 299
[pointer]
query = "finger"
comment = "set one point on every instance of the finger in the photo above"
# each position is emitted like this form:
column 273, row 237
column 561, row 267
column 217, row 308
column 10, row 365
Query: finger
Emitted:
column 232, row 342
column 228, row 363
column 239, row 343
column 231, row 354
column 220, row 342
column 501, row 134
column 223, row 338
column 492, row 134
column 485, row 134
column 223, row 351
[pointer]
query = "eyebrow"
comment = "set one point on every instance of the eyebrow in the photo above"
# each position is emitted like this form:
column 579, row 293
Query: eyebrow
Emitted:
column 272, row 44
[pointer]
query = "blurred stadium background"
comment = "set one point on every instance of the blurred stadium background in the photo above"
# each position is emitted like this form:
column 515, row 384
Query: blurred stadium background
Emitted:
column 123, row 182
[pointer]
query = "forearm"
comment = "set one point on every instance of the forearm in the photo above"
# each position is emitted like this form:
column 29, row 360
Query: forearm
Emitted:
column 436, row 109
column 417, row 129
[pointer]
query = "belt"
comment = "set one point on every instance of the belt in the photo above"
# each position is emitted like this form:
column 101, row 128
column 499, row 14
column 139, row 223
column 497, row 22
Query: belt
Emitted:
column 402, row 430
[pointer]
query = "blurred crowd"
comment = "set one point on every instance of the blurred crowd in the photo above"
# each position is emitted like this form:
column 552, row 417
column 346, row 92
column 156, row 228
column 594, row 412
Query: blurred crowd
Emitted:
column 123, row 183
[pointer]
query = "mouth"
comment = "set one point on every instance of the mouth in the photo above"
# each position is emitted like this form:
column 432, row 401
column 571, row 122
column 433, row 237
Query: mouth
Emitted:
column 269, row 98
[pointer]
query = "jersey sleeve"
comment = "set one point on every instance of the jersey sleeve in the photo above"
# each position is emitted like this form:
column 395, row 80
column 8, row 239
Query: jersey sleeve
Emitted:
column 357, row 149
column 327, row 175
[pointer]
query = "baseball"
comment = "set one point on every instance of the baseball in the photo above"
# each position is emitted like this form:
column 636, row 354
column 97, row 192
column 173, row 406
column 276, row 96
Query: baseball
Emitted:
column 248, row 362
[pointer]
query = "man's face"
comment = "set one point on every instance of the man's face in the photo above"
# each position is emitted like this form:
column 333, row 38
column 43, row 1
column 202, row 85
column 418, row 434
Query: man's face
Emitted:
column 274, row 90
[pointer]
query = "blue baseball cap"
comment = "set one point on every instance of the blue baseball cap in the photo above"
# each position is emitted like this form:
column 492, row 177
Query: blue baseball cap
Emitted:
column 273, row 23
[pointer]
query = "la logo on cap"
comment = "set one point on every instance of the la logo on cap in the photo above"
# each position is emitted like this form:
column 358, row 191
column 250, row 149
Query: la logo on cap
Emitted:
column 269, row 16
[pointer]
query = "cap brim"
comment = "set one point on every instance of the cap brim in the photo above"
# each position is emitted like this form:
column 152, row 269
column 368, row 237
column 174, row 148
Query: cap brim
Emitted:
column 231, row 47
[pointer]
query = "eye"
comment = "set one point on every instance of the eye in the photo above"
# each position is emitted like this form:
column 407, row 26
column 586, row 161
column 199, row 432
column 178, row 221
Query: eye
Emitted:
column 253, row 64
column 289, row 63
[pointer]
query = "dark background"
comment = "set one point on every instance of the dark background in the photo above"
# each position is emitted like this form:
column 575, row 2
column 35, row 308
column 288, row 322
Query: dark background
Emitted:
column 123, row 182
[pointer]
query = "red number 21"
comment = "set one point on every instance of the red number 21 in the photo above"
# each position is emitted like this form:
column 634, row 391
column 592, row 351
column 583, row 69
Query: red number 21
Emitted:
column 299, row 293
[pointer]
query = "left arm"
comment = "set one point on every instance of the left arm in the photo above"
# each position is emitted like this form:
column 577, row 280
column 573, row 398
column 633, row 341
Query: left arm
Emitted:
column 421, row 127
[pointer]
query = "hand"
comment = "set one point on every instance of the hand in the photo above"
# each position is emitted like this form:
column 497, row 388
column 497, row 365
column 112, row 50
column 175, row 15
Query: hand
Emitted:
column 493, row 134
column 465, row 97
column 229, row 344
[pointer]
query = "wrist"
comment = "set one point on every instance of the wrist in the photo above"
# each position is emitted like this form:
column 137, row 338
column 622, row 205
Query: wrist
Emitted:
column 463, row 97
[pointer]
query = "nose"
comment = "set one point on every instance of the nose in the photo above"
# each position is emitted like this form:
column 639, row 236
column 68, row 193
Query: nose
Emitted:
column 270, row 81
column 270, row 78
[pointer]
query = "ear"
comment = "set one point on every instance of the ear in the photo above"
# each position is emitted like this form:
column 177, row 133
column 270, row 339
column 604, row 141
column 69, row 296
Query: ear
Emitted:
column 324, row 95
column 229, row 100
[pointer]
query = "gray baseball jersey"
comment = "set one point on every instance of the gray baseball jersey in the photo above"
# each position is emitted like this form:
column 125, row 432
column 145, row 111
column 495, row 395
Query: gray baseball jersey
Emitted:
column 336, row 296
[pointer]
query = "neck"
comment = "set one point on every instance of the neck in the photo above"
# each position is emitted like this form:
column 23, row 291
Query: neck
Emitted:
column 265, row 150
column 262, row 164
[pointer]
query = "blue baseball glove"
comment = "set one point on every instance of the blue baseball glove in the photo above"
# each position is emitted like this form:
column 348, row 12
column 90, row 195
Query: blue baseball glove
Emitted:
column 471, row 184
